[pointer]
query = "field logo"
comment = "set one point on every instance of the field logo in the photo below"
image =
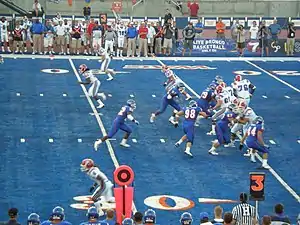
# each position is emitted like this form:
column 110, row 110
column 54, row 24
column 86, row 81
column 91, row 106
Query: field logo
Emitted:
column 161, row 202
column 275, row 46
column 286, row 73
column 55, row 71
column 175, row 67
column 247, row 73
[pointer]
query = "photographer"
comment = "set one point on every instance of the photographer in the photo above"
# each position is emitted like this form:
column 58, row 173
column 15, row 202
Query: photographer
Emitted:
column 290, row 42
column 168, row 35
column 188, row 33
column 263, row 38
column 240, row 39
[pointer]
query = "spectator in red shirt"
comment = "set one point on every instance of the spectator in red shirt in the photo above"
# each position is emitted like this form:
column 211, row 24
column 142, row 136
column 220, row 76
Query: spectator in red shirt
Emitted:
column 194, row 8
column 143, row 44
column 89, row 32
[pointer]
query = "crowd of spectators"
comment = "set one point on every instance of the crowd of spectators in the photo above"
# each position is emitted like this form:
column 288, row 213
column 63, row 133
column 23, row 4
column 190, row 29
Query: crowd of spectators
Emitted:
column 241, row 214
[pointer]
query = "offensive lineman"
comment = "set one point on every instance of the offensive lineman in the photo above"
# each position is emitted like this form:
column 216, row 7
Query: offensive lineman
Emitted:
column 103, row 186
column 95, row 84
column 243, row 88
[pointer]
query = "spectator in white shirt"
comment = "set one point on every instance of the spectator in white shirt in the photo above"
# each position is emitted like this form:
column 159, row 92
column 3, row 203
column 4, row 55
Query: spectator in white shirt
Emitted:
column 60, row 30
column 253, row 31
column 150, row 36
column 37, row 8
column 57, row 19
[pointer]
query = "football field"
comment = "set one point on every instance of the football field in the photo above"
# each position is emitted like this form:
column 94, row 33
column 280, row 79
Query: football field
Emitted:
column 48, row 126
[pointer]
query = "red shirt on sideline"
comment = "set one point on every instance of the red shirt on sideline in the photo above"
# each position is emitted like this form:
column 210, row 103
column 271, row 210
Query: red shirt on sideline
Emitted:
column 143, row 31
column 90, row 28
column 194, row 7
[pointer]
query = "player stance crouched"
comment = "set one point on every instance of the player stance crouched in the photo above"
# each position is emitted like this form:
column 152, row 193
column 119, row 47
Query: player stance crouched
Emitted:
column 222, row 129
column 94, row 82
column 254, row 141
column 57, row 217
column 93, row 217
column 103, row 186
column 190, row 115
column 119, row 123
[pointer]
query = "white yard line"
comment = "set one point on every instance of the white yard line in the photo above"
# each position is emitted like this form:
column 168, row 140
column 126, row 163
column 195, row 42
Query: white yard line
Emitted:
column 272, row 171
column 271, row 75
column 100, row 123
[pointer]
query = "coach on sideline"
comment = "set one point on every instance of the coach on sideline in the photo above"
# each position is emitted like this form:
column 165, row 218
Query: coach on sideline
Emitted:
column 244, row 213
column 37, row 30
column 13, row 214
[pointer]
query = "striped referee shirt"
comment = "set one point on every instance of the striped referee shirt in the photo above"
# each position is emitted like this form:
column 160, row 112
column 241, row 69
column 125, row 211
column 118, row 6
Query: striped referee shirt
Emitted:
column 244, row 213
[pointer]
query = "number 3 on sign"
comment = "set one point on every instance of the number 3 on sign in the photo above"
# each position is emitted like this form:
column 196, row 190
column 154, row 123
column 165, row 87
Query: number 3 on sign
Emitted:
column 257, row 186
column 258, row 182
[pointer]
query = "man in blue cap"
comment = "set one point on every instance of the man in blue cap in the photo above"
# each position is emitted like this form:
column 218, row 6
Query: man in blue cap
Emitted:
column 204, row 219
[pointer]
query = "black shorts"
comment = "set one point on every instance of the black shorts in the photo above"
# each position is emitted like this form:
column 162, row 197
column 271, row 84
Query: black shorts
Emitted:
column 264, row 42
column 241, row 45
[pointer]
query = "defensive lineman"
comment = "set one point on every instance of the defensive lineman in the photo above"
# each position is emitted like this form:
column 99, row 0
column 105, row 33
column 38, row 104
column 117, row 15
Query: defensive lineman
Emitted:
column 94, row 82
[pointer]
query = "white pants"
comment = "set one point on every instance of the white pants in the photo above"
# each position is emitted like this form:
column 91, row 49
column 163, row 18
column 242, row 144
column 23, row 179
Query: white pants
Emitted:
column 97, row 42
column 93, row 90
column 121, row 42
column 4, row 37
column 109, row 45
column 247, row 100
column 84, row 39
column 105, row 64
column 105, row 192
column 48, row 41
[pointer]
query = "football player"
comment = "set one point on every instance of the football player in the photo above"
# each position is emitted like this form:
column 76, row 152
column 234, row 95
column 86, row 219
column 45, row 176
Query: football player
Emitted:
column 121, row 31
column 33, row 219
column 171, row 77
column 128, row 221
column 190, row 115
column 106, row 59
column 169, row 99
column 243, row 88
column 254, row 141
column 222, row 129
column 93, row 217
column 102, row 189
column 119, row 123
column 90, row 79
column 4, row 34
column 57, row 217
column 186, row 219
column 26, row 26
column 149, row 217
column 223, row 101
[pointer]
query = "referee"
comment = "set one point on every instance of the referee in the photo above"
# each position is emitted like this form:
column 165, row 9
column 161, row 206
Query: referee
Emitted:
column 244, row 213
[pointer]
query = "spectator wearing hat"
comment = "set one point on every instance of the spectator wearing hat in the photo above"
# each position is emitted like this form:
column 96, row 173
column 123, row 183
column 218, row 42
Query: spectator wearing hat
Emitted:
column 279, row 218
column 110, row 217
column 204, row 219
column 266, row 220
column 131, row 39
column 13, row 215
column 138, row 218
column 228, row 218
column 244, row 213
column 218, row 211
column 188, row 35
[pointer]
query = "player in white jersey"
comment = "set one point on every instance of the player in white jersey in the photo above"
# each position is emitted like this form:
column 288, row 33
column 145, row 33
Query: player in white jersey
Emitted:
column 102, row 188
column 68, row 30
column 97, row 38
column 106, row 59
column 243, row 88
column 84, row 37
column 244, row 120
column 121, row 32
column 95, row 84
column 4, row 34
column 223, row 101
column 26, row 25
column 171, row 77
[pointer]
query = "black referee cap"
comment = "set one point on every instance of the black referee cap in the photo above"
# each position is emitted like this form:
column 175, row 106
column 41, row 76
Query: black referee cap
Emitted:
column 12, row 212
column 243, row 197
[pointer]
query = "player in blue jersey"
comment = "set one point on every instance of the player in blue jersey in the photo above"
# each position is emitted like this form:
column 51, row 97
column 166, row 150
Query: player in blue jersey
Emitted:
column 57, row 217
column 223, row 129
column 190, row 115
column 169, row 99
column 93, row 217
column 119, row 123
column 128, row 221
column 33, row 219
column 254, row 141
column 186, row 219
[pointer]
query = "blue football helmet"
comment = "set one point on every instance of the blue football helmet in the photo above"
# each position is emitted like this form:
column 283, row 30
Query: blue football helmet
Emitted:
column 92, row 213
column 127, row 221
column 193, row 103
column 186, row 219
column 212, row 86
column 33, row 219
column 131, row 103
column 58, row 213
column 150, row 216
column 218, row 79
column 180, row 86
column 258, row 120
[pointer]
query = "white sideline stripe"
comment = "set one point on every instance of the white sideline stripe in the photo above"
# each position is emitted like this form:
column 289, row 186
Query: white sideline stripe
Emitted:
column 102, row 128
column 287, row 96
column 281, row 181
column 276, row 78
column 272, row 142
column 284, row 184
